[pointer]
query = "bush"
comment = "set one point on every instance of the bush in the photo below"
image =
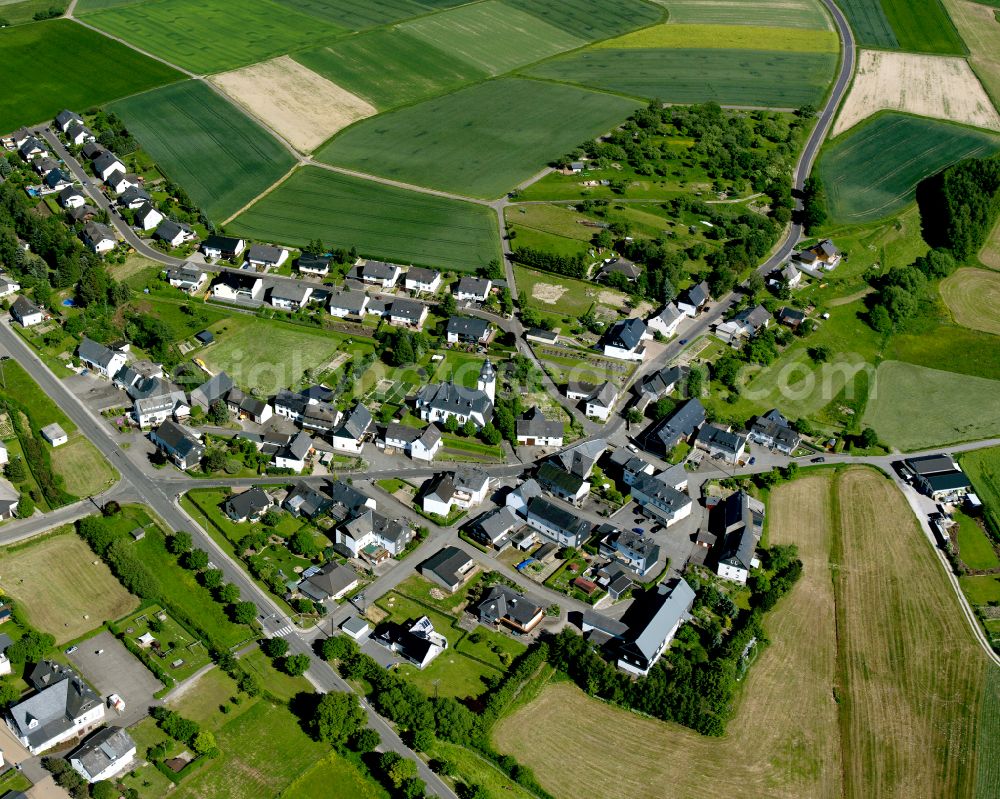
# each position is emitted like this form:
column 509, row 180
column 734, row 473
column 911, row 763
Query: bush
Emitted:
column 274, row 647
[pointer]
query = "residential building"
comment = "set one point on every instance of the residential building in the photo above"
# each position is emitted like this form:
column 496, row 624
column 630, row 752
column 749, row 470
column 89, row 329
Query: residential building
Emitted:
column 600, row 404
column 346, row 502
column 373, row 537
column 694, row 300
column 263, row 257
column 518, row 498
column 647, row 640
column 239, row 287
column 134, row 197
column 464, row 488
column 290, row 296
column 581, row 458
column 66, row 118
column 468, row 330
column 791, row 317
column 661, row 500
column 56, row 180
column 8, row 286
column 624, row 340
column 332, row 581
column 823, row 256
column 100, row 238
column 504, row 606
column 418, row 643
column 493, row 528
column 157, row 408
column 147, row 217
column 186, row 278
column 639, row 553
column 378, row 273
column 5, row 642
column 557, row 523
column 103, row 360
column 664, row 435
column 63, row 707
column 421, row 445
column 26, row 312
column 247, row 506
column 44, row 165
column 407, row 313
column 226, row 247
column 314, row 265
column 449, row 567
column 659, row 384
column 534, row 430
column 180, row 444
column 438, row 402
column 9, row 499
column 540, row 336
column 619, row 266
column 631, row 465
column 78, row 134
column 788, row 276
column 54, row 434
column 173, row 233
column 348, row 303
column 72, row 197
column 307, row 409
column 104, row 755
column 560, row 483
column 245, row 406
column 746, row 325
column 353, row 430
column 939, row 477
column 739, row 520
column 721, row 443
column 578, row 390
column 106, row 164
column 304, row 501
column 473, row 289
column 666, row 321
column 419, row 279
column 118, row 182
column 91, row 150
column 773, row 430
column 292, row 453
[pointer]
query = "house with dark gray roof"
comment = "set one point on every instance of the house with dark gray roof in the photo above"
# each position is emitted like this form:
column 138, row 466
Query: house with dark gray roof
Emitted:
column 134, row 197
column 600, row 404
column 745, row 325
column 378, row 273
column 619, row 266
column 103, row 360
column 773, row 430
column 353, row 430
column 100, row 238
column 739, row 523
column 693, row 300
column 222, row 247
column 263, row 257
column 372, row 536
column 437, row 402
column 666, row 321
column 557, row 523
column 648, row 637
column 311, row 264
column 662, row 436
column 473, row 289
column 306, row 502
column 468, row 330
column 63, row 707
column 407, row 313
column 624, row 340
column 106, row 164
column 721, row 443
column 181, row 444
column 639, row 553
column 581, row 458
column 79, row 134
column 562, row 484
column 659, row 499
column 419, row 642
column 72, row 197
column 450, row 567
column 493, row 528
column 173, row 233
column 248, row 506
column 505, row 606
column 939, row 477
column 290, row 296
column 65, row 118
column 107, row 753
column 534, row 430
column 332, row 581
column 660, row 383
column 212, row 390
column 346, row 501
column 348, row 303
column 419, row 279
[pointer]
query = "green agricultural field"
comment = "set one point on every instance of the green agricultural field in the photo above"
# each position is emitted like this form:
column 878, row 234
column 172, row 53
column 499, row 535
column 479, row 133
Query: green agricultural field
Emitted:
column 776, row 13
column 459, row 143
column 388, row 67
column 492, row 36
column 973, row 297
column 73, row 55
column 88, row 6
column 983, row 469
column 205, row 36
column 592, row 19
column 974, row 546
column 221, row 157
column 728, row 37
column 870, row 24
column 381, row 221
column 553, row 228
column 334, row 777
column 950, row 407
column 18, row 12
column 923, row 26
column 872, row 170
column 729, row 77
column 361, row 14
column 266, row 355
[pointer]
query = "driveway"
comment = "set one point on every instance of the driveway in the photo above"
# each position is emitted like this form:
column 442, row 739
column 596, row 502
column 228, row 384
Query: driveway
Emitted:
column 96, row 393
column 117, row 671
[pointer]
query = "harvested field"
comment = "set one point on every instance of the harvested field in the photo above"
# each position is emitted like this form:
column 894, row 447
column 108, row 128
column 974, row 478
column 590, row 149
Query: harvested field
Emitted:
column 978, row 25
column 729, row 37
column 549, row 293
column 302, row 106
column 84, row 470
column 929, row 86
column 867, row 714
column 990, row 254
column 776, row 13
column 951, row 407
column 60, row 581
column 973, row 297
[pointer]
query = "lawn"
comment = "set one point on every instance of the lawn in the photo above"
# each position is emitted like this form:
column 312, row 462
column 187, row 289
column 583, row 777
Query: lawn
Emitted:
column 420, row 589
column 204, row 36
column 334, row 777
column 728, row 37
column 185, row 644
column 201, row 700
column 280, row 685
column 65, row 589
column 18, row 384
column 473, row 768
column 981, row 589
column 983, row 469
column 771, row 78
column 73, row 55
column 218, row 155
column 973, row 297
column 563, row 295
column 872, row 170
column 492, row 36
column 84, row 470
column 591, row 19
column 458, row 367
column 381, row 221
column 455, row 143
column 553, row 228
column 951, row 407
column 389, row 67
column 776, row 13
column 267, row 355
column 812, row 719
column 974, row 546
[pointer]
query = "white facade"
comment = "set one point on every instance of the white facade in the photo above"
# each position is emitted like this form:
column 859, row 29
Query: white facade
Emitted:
column 413, row 284
column 666, row 321
column 735, row 573
column 598, row 410
column 149, row 220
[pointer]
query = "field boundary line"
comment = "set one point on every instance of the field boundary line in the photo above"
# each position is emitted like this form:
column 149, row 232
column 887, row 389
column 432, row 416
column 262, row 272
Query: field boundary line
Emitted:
column 397, row 183
column 131, row 46
column 262, row 195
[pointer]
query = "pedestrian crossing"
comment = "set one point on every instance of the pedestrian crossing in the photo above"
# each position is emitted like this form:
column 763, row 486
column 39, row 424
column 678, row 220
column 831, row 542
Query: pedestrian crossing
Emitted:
column 282, row 632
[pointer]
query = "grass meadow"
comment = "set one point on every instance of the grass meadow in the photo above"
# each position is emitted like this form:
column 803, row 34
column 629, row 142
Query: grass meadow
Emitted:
column 951, row 407
column 83, row 469
column 205, row 36
column 680, row 75
column 775, row 13
column 492, row 36
column 837, row 705
column 18, row 12
column 388, row 67
column 983, row 469
column 381, row 221
column 221, row 157
column 872, row 170
column 553, row 228
column 974, row 546
column 973, row 297
column 65, row 589
column 73, row 56
column 454, row 142
column 337, row 774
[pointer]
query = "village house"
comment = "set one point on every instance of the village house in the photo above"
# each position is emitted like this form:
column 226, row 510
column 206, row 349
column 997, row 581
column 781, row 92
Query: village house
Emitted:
column 666, row 321
column 173, row 233
column 788, row 276
column 72, row 197
column 8, row 286
column 630, row 465
column 600, row 403
column 372, row 536
column 353, row 430
column 246, row 406
column 624, row 340
column 473, row 289
column 26, row 312
column 378, row 273
column 464, row 488
column 505, row 606
column 79, row 134
column 659, row 384
column 581, row 458
column 62, row 707
column 539, row 335
column 239, row 288
column 182, row 445
column 104, row 755
column 290, row 296
column 56, row 181
column 103, row 360
column 314, row 265
column 438, row 402
column 619, row 266
column 67, row 118
column 557, row 523
column 449, row 567
column 329, row 582
column 348, row 303
column 694, row 300
column 721, row 443
column 248, row 506
column 106, row 164
column 745, row 325
column 186, row 278
column 407, row 313
column 518, row 498
column 791, row 317
column 155, row 409
column 417, row 643
column 657, row 498
column 421, row 445
column 639, row 553
column 468, row 330
column 419, row 280
column 662, row 436
column 562, row 484
column 118, row 182
column 100, row 238
column 939, row 477
column 646, row 642
column 31, row 148
column 147, row 217
column 739, row 520
column 308, row 408
column 773, row 431
column 823, row 256
column 493, row 528
column 263, row 257
column 535, row 430
column 216, row 247
column 134, row 197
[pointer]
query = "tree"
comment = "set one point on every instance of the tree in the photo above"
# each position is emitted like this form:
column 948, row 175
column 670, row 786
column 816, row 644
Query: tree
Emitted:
column 448, row 306
column 228, row 594
column 218, row 413
column 180, row 542
column 195, row 560
column 274, row 647
column 868, row 438
column 820, row 353
column 104, row 789
column 490, row 434
column 338, row 718
column 203, row 743
column 813, row 204
column 25, row 506
column 296, row 665
column 338, row 647
column 9, row 694
column 244, row 612
column 211, row 578
column 633, row 416
column 423, row 740
column 400, row 771
column 15, row 470
column 303, row 543
column 451, row 424
column 469, row 429
column 366, row 741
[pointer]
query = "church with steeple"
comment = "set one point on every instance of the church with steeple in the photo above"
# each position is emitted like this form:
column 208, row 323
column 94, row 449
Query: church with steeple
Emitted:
column 437, row 402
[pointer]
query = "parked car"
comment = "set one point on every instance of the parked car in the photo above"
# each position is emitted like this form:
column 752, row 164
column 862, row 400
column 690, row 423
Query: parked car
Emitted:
column 71, row 650
column 819, row 459
column 753, row 460
column 638, row 530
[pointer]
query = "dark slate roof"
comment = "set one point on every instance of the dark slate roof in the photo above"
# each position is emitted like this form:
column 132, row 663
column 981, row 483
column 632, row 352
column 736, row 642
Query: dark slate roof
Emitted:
column 264, row 253
column 931, row 464
column 167, row 230
column 661, row 382
column 473, row 285
column 377, row 270
column 420, row 275
column 356, row 423
column 92, row 149
column 681, row 425
column 719, row 437
column 24, row 307
column 580, row 458
column 670, row 609
column 329, row 581
column 534, row 424
column 307, row 501
column 316, row 262
column 215, row 388
column 558, row 517
column 697, row 295
column 351, row 301
column 604, row 395
column 447, row 563
column 104, row 749
column 346, row 500
column 411, row 310
column 64, row 117
column 372, row 522
column 55, row 177
column 454, row 398
column 502, row 602
column 468, row 328
column 248, row 503
column 105, row 159
column 556, row 478
column 133, row 193
column 626, row 333
column 70, row 191
column 621, row 266
column 89, row 350
column 787, row 314
column 222, row 243
column 180, row 439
